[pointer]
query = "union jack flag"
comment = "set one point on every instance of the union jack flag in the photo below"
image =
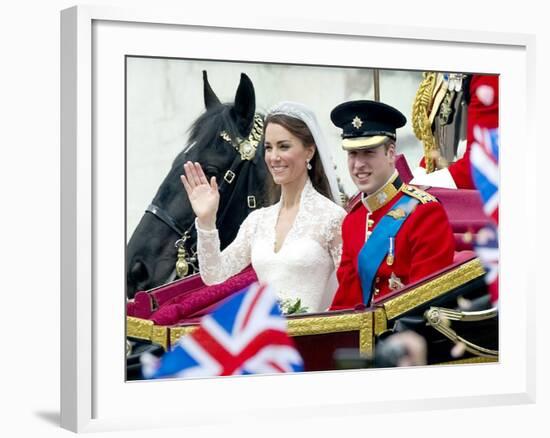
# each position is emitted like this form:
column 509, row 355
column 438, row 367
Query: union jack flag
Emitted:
column 484, row 155
column 486, row 247
column 484, row 160
column 245, row 335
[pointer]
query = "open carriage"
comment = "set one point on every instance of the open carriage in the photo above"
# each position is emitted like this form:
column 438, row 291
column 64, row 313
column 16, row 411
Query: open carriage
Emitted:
column 447, row 307
column 428, row 306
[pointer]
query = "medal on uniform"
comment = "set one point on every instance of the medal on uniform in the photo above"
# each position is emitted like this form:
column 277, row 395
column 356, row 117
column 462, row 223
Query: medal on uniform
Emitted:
column 391, row 257
column 394, row 282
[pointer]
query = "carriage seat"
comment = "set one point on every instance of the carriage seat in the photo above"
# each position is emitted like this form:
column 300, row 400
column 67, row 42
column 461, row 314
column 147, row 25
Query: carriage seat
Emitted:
column 180, row 299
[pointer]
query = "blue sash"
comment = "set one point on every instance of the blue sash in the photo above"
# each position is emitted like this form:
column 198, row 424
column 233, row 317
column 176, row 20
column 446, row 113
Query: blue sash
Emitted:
column 376, row 247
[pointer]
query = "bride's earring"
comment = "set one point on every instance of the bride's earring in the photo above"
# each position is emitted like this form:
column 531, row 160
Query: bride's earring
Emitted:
column 308, row 166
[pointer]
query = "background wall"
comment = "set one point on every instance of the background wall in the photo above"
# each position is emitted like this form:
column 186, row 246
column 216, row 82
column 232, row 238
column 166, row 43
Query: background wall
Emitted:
column 165, row 96
column 29, row 181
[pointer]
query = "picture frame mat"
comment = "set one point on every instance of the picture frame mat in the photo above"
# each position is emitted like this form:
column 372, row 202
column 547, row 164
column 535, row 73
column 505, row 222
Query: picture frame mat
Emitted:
column 94, row 395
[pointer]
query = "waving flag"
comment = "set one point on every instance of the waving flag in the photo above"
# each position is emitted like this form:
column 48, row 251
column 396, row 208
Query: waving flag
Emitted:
column 484, row 164
column 484, row 160
column 486, row 247
column 246, row 335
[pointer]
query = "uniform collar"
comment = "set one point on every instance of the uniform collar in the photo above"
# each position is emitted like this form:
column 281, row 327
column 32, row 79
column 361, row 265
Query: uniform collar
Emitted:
column 384, row 194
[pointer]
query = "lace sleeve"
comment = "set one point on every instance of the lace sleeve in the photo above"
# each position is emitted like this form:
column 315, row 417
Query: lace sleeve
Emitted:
column 217, row 266
column 334, row 237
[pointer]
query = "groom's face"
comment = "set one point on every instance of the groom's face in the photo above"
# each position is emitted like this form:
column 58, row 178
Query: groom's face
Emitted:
column 371, row 168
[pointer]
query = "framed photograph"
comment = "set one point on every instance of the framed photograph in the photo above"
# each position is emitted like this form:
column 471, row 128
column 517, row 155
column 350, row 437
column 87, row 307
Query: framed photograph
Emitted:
column 119, row 67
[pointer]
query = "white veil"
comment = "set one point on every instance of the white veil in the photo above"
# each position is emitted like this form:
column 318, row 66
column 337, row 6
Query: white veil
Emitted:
column 303, row 113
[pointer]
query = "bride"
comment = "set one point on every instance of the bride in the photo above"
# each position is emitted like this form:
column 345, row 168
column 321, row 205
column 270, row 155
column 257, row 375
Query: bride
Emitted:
column 294, row 245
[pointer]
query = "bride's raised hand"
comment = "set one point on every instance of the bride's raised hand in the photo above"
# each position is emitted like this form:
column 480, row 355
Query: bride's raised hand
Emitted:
column 204, row 196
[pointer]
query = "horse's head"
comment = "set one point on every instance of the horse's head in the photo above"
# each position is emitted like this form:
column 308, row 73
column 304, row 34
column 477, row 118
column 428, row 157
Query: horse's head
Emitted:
column 225, row 139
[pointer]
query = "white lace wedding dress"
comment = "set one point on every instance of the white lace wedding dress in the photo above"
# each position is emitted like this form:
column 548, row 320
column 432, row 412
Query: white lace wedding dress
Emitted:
column 305, row 265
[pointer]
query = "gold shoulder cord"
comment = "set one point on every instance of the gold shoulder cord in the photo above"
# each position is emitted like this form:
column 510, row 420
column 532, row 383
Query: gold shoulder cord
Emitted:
column 421, row 118
column 421, row 195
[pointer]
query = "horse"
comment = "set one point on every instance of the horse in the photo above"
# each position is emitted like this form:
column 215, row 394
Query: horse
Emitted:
column 227, row 140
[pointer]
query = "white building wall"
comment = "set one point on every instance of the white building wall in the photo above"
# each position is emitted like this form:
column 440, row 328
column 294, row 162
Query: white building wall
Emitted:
column 164, row 97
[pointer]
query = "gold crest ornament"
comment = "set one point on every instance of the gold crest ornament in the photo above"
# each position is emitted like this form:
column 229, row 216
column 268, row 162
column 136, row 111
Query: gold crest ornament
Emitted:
column 357, row 122
column 247, row 148
column 397, row 213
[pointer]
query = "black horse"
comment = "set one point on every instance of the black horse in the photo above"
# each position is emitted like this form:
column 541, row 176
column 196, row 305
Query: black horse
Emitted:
column 227, row 140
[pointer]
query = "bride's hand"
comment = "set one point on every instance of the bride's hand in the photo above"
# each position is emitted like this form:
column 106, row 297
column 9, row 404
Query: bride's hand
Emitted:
column 204, row 196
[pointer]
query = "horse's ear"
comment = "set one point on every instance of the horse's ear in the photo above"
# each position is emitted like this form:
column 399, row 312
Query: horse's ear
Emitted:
column 210, row 98
column 245, row 105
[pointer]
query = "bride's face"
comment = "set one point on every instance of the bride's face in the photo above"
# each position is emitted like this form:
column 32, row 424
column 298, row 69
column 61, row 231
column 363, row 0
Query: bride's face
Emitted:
column 285, row 154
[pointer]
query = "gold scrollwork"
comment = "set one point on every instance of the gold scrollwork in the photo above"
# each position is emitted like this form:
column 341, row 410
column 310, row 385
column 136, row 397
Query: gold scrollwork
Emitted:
column 433, row 289
column 147, row 330
column 303, row 326
column 470, row 360
column 247, row 147
column 361, row 322
column 160, row 336
column 139, row 328
column 421, row 118
column 178, row 332
column 380, row 321
column 440, row 319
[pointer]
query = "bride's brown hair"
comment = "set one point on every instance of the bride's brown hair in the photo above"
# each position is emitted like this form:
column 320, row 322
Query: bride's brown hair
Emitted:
column 317, row 173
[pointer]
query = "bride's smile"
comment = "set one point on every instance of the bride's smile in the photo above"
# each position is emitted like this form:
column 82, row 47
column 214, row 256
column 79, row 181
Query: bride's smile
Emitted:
column 285, row 155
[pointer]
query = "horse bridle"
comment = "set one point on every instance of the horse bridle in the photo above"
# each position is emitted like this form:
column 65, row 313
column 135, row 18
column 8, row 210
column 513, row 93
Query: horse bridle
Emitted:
column 247, row 150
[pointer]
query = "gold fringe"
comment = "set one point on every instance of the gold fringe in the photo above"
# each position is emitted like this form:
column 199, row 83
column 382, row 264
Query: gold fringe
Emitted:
column 421, row 118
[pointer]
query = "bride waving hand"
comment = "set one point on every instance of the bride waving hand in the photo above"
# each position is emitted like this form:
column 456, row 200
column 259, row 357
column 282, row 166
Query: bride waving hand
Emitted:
column 294, row 245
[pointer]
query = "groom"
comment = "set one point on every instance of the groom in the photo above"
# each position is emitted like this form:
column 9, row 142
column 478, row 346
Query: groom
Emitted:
column 398, row 233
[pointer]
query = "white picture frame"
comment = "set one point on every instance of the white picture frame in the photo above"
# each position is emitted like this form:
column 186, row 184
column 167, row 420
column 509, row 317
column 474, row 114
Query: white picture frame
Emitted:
column 94, row 397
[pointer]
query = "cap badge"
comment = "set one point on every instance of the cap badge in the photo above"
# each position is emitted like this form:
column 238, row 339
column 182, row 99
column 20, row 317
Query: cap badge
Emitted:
column 357, row 122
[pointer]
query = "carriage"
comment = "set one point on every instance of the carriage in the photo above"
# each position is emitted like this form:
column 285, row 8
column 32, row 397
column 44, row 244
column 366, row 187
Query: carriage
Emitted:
column 446, row 308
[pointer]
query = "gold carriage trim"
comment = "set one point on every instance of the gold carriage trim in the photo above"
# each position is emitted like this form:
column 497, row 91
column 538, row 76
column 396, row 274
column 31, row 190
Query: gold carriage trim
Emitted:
column 147, row 331
column 361, row 322
column 433, row 289
column 380, row 321
column 139, row 328
column 311, row 325
column 178, row 332
column 470, row 360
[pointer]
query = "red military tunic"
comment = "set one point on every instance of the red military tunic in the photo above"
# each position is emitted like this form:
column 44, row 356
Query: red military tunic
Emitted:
column 423, row 245
column 482, row 111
